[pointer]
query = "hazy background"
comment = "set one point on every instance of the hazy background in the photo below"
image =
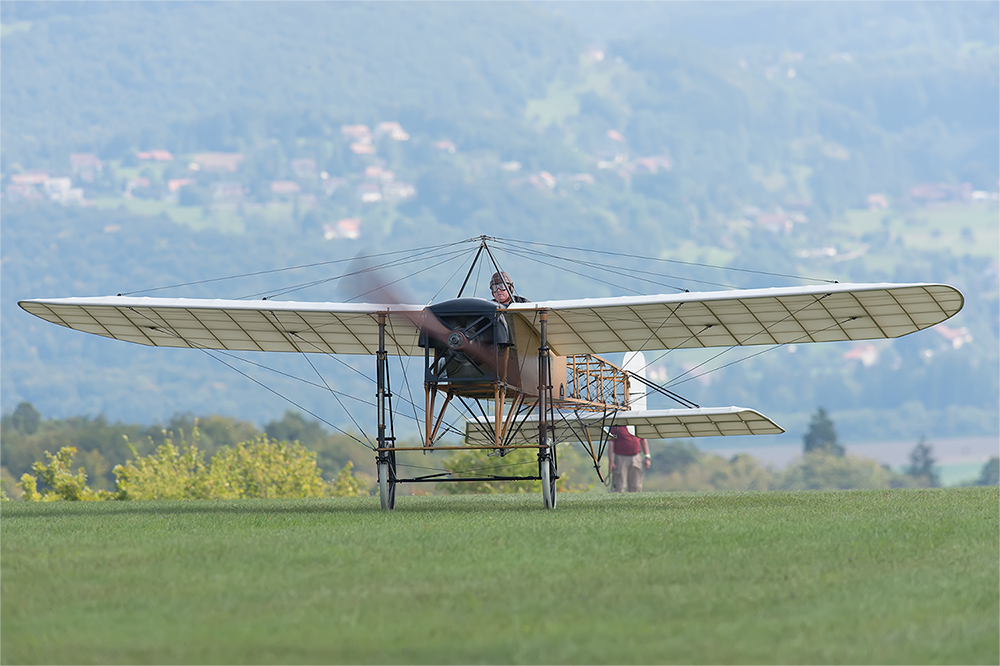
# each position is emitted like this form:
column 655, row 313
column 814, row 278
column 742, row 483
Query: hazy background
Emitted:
column 850, row 141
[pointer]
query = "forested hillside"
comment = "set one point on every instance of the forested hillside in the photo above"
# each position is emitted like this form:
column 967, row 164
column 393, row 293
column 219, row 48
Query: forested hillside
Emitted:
column 144, row 145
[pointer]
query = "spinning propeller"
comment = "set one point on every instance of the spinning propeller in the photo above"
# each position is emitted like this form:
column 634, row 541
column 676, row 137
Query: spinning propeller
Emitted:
column 452, row 330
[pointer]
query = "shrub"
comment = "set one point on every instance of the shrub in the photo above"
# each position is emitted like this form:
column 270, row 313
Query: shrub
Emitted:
column 518, row 462
column 265, row 469
column 171, row 472
column 347, row 484
column 709, row 471
column 823, row 469
column 60, row 483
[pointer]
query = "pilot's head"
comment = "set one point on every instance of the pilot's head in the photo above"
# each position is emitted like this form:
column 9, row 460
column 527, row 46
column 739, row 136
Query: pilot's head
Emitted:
column 502, row 288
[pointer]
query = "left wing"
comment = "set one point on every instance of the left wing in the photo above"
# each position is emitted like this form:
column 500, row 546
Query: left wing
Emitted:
column 651, row 424
column 784, row 315
column 288, row 326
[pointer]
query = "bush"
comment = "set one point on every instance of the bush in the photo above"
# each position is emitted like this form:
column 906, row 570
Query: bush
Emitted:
column 346, row 484
column 518, row 462
column 60, row 483
column 171, row 472
column 823, row 469
column 260, row 468
column 265, row 469
column 713, row 472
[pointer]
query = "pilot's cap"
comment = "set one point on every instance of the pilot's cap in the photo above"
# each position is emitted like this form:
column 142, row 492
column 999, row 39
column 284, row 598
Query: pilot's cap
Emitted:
column 501, row 278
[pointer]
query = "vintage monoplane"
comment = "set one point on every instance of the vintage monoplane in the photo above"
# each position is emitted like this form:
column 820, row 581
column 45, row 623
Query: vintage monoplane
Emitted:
column 529, row 375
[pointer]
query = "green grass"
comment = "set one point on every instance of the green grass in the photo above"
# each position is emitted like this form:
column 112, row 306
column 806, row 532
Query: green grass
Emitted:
column 813, row 577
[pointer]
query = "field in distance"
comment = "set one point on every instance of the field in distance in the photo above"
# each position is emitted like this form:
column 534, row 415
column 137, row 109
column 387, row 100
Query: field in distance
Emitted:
column 901, row 576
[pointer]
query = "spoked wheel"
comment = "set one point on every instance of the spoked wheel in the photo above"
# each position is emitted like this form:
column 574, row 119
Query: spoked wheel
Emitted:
column 387, row 480
column 547, row 469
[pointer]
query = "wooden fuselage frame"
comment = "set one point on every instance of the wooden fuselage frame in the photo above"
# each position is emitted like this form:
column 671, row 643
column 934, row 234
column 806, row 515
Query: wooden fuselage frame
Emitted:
column 524, row 378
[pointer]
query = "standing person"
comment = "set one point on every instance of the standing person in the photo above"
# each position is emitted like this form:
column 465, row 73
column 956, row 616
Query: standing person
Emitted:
column 628, row 459
column 502, row 288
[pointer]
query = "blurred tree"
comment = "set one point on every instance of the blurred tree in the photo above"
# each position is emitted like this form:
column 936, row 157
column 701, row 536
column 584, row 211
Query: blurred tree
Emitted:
column 26, row 419
column 990, row 475
column 674, row 456
column 921, row 465
column 822, row 436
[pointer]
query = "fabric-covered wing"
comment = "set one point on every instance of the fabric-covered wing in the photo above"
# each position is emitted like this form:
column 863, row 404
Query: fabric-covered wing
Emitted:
column 827, row 313
column 332, row 328
column 652, row 424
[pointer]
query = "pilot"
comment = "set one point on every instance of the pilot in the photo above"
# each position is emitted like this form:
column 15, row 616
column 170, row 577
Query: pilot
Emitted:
column 502, row 288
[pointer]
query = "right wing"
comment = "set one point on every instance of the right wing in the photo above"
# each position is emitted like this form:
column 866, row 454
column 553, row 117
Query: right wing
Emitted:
column 780, row 315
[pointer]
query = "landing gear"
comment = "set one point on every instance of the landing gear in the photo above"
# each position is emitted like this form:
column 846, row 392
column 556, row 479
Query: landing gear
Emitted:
column 547, row 470
column 386, row 457
column 387, row 479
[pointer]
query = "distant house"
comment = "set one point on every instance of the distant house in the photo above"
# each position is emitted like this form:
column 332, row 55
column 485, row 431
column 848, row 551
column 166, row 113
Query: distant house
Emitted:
column 175, row 184
column 393, row 129
column 62, row 191
column 877, row 202
column 375, row 172
column 356, row 132
column 956, row 336
column 18, row 191
column 58, row 186
column 398, row 191
column 446, row 146
column 218, row 162
column 349, row 227
column 85, row 166
column 285, row 187
column 362, row 148
column 369, row 193
column 867, row 354
column 155, row 155
column 29, row 178
column 655, row 163
column 776, row 221
column 929, row 192
column 615, row 136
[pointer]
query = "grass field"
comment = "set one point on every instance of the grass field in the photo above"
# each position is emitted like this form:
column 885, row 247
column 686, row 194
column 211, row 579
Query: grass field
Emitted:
column 889, row 577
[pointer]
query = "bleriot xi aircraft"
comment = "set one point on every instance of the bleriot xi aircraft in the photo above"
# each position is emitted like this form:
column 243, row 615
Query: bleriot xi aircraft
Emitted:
column 528, row 375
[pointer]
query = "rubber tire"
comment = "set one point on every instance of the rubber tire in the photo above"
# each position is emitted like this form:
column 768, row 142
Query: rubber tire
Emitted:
column 548, row 483
column 387, row 487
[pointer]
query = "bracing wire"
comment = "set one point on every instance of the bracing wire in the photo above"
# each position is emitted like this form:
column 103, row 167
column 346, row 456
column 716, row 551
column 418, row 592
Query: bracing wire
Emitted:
column 442, row 254
column 280, row 270
column 770, row 348
column 168, row 329
column 528, row 253
column 748, row 339
column 672, row 261
column 368, row 269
